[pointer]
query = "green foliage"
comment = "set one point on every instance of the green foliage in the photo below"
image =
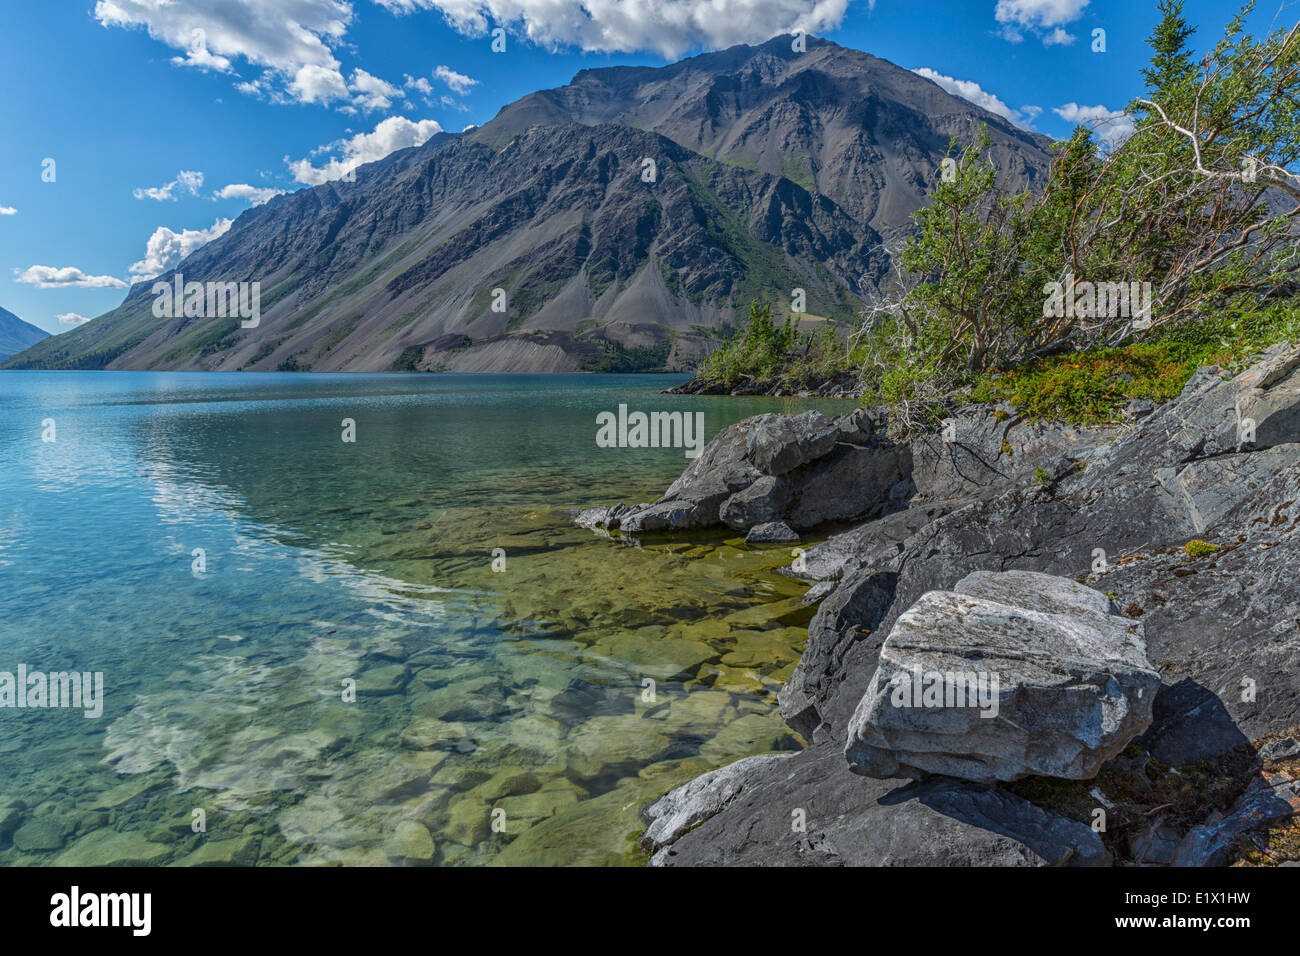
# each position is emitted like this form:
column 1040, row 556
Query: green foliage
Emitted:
column 1199, row 549
column 613, row 357
column 1030, row 284
column 1086, row 388
column 409, row 360
column 767, row 351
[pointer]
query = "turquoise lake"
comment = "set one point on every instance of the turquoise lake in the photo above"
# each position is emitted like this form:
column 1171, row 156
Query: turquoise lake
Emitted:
column 234, row 568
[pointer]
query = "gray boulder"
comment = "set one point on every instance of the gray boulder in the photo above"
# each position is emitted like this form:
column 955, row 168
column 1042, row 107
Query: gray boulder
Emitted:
column 776, row 444
column 773, row 532
column 1005, row 676
column 805, row 470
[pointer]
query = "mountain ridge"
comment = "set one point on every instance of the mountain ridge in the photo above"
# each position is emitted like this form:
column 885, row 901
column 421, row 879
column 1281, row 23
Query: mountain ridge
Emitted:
column 769, row 171
column 17, row 335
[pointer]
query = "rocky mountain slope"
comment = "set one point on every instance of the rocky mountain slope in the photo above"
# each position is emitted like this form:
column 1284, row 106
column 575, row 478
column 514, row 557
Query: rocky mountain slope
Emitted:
column 630, row 213
column 1082, row 567
column 16, row 335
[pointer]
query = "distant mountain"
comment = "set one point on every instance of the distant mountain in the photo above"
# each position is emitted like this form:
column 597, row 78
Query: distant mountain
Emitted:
column 16, row 335
column 617, row 221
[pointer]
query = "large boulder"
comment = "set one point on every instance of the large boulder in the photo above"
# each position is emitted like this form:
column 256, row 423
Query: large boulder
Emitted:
column 776, row 444
column 1006, row 676
column 804, row 470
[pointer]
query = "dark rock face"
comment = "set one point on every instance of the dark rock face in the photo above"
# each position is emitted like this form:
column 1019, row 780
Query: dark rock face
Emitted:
column 1110, row 508
column 802, row 471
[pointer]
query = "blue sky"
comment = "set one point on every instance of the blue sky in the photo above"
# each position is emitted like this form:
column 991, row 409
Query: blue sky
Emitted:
column 164, row 121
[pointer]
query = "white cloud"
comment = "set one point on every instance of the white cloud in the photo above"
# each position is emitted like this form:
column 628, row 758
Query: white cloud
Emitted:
column 1045, row 18
column 421, row 85
column 313, row 83
column 55, row 277
column 187, row 179
column 292, row 39
column 166, row 248
column 1039, row 13
column 974, row 93
column 1112, row 127
column 458, row 82
column 388, row 136
column 254, row 194
column 8, row 211
column 372, row 92
column 72, row 318
column 667, row 27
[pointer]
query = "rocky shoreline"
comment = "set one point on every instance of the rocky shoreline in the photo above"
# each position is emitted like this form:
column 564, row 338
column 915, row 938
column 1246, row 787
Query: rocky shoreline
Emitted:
column 1129, row 595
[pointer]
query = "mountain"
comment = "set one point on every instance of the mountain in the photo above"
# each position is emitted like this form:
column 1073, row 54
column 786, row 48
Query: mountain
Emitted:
column 619, row 221
column 16, row 335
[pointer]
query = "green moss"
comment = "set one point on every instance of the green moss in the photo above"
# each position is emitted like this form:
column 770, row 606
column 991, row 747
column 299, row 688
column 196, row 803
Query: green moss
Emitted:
column 1088, row 388
column 1199, row 549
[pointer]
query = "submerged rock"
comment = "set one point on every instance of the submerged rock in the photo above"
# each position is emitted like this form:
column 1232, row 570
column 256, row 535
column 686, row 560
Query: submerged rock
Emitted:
column 679, row 810
column 772, row 532
column 1007, row 675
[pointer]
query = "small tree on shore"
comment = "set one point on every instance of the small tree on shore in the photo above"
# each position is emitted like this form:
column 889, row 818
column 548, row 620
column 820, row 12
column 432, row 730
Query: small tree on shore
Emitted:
column 1200, row 205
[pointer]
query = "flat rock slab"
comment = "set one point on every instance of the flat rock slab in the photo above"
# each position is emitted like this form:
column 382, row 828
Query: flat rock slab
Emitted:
column 808, row 810
column 1006, row 676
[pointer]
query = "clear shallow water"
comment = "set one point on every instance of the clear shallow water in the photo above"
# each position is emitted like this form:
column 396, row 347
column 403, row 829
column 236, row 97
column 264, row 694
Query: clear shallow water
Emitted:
column 515, row 697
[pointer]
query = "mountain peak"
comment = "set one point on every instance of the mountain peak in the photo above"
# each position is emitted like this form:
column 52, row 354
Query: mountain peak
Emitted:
column 633, row 209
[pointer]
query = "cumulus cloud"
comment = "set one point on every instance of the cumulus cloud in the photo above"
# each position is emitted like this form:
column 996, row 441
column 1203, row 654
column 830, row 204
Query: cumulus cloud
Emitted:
column 72, row 318
column 974, row 93
column 458, row 82
column 1044, row 18
column 257, row 195
column 292, row 39
column 166, row 248
column 8, row 211
column 1112, row 127
column 667, row 27
column 187, row 180
column 64, row 277
column 372, row 93
column 420, row 85
column 388, row 136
